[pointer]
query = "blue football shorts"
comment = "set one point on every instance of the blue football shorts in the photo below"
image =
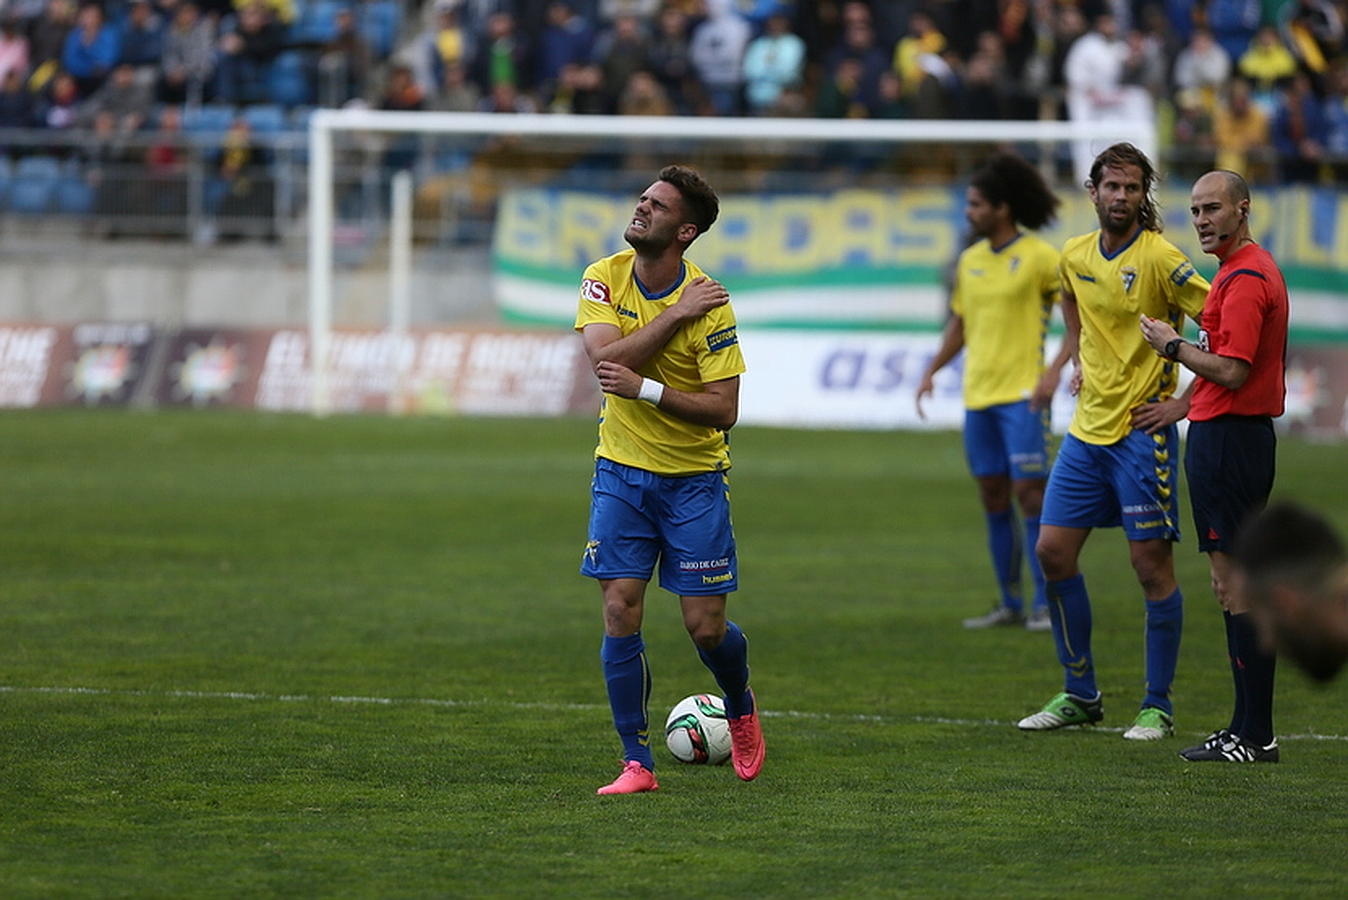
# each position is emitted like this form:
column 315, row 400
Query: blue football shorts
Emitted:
column 1009, row 438
column 1133, row 483
column 638, row 517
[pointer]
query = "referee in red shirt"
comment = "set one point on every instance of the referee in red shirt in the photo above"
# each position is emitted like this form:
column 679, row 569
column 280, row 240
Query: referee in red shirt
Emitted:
column 1238, row 390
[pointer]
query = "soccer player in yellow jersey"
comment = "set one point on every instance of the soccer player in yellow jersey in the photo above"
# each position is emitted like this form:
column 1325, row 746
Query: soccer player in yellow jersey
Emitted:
column 1110, row 470
column 1006, row 284
column 661, row 336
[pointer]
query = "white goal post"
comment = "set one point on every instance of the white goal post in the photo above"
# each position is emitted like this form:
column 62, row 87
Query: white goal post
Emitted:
column 326, row 123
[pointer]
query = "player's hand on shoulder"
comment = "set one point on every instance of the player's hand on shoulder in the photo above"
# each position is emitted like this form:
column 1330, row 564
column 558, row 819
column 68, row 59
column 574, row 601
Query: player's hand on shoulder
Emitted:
column 701, row 296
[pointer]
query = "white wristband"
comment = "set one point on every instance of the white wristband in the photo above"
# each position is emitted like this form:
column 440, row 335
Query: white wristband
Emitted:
column 651, row 391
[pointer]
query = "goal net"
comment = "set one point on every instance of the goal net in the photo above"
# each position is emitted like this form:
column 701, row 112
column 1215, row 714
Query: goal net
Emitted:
column 826, row 226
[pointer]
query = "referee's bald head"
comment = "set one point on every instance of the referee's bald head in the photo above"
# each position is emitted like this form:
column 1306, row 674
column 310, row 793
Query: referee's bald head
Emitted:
column 1233, row 183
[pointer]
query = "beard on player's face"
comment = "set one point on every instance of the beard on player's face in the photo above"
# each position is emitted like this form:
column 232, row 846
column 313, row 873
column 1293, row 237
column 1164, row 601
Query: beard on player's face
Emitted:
column 651, row 239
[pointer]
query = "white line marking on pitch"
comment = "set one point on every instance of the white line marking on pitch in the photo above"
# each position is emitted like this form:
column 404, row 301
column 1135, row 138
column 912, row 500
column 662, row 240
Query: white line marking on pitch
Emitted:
column 515, row 704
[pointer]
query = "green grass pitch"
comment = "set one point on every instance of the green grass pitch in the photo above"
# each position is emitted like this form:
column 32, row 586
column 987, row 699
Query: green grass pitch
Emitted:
column 249, row 655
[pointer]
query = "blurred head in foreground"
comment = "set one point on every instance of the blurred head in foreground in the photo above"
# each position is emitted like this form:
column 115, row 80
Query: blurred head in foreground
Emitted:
column 1293, row 570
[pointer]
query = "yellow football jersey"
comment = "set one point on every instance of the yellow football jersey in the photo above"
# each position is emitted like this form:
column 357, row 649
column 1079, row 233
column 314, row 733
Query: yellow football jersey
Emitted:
column 1120, row 371
column 1005, row 296
column 634, row 432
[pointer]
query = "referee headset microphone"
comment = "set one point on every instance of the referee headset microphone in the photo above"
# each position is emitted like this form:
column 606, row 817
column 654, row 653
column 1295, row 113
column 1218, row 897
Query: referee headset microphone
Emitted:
column 1243, row 216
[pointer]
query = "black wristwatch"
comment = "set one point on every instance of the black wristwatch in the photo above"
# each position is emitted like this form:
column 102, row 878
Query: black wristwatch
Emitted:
column 1171, row 351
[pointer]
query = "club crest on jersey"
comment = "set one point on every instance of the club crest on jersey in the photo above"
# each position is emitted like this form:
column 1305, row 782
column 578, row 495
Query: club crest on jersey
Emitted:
column 594, row 290
column 1129, row 275
column 1015, row 264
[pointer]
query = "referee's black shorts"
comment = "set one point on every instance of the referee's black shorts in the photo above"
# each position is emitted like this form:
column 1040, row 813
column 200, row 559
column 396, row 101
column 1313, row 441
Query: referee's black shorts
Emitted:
column 1229, row 462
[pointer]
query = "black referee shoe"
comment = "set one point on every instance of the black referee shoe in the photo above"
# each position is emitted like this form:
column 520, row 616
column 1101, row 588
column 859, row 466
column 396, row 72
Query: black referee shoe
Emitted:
column 1233, row 749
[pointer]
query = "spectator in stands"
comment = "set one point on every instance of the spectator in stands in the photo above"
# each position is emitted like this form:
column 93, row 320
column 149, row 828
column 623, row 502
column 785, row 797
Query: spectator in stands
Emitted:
column 717, row 54
column 920, row 42
column 457, row 93
column 670, row 60
column 344, row 63
column 1016, row 31
column 239, row 191
column 1069, row 25
column 983, row 86
column 1203, row 67
column 579, row 91
column 16, row 104
column 892, row 103
column 1233, row 23
column 842, row 93
column 124, row 101
column 166, row 168
column 1145, row 66
column 189, row 56
column 142, row 40
column 567, row 39
column 644, row 10
column 620, row 52
column 1094, row 71
column 1194, row 146
column 503, row 57
column 59, row 105
column 1241, row 133
column 401, row 91
column 1299, row 131
column 47, row 40
column 774, row 61
column 246, row 56
column 1314, row 33
column 401, row 94
column 643, row 96
column 448, row 42
column 91, row 50
column 1265, row 63
column 506, row 98
column 13, row 48
column 1336, row 118
column 282, row 11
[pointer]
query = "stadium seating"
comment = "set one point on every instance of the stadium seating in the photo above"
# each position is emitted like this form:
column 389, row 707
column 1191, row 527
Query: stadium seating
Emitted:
column 317, row 22
column 380, row 21
column 266, row 119
column 73, row 193
column 290, row 83
column 208, row 119
column 33, row 189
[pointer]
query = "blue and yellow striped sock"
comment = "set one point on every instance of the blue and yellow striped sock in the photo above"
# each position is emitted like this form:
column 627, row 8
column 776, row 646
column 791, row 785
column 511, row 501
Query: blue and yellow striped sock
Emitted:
column 1069, row 607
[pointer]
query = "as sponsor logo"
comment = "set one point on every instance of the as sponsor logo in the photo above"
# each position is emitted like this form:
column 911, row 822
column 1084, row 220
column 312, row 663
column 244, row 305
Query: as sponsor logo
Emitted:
column 595, row 291
column 718, row 579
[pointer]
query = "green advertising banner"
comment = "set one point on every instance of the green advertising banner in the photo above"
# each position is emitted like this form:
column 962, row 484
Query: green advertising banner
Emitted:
column 874, row 259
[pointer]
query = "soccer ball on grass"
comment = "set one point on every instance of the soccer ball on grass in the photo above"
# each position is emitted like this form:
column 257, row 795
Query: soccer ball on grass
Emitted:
column 697, row 731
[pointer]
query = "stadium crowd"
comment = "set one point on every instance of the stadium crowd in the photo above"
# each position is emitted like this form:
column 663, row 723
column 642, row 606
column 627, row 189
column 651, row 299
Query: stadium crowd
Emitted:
column 1259, row 86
